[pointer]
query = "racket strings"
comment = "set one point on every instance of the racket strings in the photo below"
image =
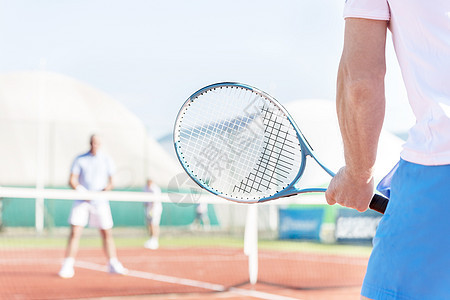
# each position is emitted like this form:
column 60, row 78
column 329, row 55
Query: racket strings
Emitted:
column 237, row 143
column 258, row 178
column 275, row 161
column 209, row 129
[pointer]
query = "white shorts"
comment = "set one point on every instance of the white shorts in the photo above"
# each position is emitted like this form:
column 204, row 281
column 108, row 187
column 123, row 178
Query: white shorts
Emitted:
column 97, row 213
column 153, row 211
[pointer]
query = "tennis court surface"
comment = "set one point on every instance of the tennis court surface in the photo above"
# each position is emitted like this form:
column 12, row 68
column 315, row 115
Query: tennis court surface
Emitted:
column 177, row 272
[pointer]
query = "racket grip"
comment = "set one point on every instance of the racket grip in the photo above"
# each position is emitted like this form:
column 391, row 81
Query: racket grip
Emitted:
column 379, row 203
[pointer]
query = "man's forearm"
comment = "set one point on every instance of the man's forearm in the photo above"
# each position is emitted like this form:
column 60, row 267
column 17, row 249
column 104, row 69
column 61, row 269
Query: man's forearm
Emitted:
column 73, row 181
column 109, row 186
column 360, row 108
column 360, row 96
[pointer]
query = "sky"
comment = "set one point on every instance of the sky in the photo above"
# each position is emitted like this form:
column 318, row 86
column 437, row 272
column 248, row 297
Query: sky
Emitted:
column 152, row 55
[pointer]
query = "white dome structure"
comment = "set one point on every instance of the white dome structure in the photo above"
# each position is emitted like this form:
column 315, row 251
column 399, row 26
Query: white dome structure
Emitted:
column 47, row 119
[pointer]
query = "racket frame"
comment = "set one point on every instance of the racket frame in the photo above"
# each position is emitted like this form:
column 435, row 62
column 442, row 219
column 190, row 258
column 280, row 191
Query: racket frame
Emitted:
column 306, row 149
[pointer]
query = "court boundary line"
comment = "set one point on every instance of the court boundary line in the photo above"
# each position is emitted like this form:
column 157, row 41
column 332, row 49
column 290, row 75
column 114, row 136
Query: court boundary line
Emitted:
column 187, row 282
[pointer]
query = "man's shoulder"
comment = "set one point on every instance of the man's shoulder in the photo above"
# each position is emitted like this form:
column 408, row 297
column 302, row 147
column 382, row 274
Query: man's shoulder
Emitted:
column 105, row 157
column 82, row 156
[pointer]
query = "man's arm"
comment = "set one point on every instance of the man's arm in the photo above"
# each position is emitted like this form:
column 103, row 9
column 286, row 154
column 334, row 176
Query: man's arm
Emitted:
column 360, row 103
column 74, row 183
column 109, row 186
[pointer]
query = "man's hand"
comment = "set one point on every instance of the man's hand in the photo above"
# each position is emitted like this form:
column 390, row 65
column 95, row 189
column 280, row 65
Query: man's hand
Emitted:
column 350, row 190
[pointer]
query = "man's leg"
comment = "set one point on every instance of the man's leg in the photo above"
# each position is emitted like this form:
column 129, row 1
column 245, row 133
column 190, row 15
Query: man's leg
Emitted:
column 153, row 242
column 67, row 270
column 154, row 230
column 74, row 241
column 109, row 247
column 114, row 265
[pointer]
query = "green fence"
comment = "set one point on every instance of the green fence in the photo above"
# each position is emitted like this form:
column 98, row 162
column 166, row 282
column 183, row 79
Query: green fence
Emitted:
column 17, row 212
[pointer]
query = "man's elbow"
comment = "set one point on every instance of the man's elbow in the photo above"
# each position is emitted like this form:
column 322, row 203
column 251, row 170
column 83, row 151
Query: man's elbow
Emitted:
column 363, row 89
column 360, row 82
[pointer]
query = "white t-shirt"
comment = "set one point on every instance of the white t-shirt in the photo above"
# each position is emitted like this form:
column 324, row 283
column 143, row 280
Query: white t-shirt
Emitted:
column 156, row 190
column 421, row 35
column 93, row 170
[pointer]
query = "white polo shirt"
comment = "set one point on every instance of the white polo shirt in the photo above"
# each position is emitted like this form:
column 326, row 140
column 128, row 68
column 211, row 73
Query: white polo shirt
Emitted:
column 421, row 35
column 156, row 190
column 93, row 170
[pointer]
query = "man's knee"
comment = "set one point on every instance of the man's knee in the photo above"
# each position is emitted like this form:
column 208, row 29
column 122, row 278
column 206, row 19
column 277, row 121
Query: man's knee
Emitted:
column 76, row 231
column 106, row 233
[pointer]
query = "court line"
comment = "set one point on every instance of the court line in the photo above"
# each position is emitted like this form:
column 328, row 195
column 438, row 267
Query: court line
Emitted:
column 187, row 282
column 260, row 295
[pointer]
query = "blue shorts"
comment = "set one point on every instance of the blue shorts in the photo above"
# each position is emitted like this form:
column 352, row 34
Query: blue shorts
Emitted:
column 411, row 254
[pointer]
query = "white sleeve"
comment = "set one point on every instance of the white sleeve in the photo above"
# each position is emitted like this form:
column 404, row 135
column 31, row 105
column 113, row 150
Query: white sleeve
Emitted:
column 367, row 9
column 76, row 167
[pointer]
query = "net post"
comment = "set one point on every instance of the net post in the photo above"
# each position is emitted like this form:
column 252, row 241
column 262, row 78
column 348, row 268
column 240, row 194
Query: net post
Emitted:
column 41, row 149
column 273, row 217
column 251, row 242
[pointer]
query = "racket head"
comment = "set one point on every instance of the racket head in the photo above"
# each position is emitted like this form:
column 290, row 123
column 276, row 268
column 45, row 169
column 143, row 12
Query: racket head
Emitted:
column 239, row 143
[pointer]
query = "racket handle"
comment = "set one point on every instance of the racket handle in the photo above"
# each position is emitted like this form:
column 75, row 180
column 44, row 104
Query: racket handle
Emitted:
column 379, row 203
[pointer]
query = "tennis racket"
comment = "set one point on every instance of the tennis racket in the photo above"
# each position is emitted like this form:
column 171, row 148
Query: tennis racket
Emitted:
column 239, row 143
